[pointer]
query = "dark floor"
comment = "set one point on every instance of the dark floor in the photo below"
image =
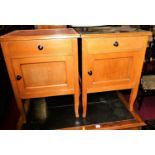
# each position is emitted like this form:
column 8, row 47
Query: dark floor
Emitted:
column 147, row 113
column 102, row 108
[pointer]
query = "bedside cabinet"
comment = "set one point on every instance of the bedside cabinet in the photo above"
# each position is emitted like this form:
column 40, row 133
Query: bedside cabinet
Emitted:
column 112, row 60
column 42, row 63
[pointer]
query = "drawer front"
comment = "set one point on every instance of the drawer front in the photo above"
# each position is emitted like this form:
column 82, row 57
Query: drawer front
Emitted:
column 40, row 47
column 114, row 44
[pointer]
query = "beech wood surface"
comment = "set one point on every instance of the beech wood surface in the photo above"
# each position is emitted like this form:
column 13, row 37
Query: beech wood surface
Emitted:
column 49, row 26
column 112, row 61
column 40, row 34
column 42, row 63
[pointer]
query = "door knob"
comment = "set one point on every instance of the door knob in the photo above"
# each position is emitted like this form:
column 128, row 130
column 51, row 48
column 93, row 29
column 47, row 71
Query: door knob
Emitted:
column 40, row 47
column 18, row 77
column 90, row 72
column 116, row 44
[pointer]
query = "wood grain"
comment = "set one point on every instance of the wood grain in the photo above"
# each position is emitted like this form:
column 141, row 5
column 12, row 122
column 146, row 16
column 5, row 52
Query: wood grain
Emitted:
column 48, row 71
column 40, row 34
column 50, row 26
column 31, row 48
column 44, row 75
column 112, row 67
column 106, row 44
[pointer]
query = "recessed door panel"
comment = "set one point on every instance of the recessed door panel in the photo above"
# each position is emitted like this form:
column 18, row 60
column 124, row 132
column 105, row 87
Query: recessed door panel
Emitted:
column 112, row 71
column 46, row 75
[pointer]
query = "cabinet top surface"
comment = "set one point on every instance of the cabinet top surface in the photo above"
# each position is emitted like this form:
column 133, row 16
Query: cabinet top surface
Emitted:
column 111, row 31
column 40, row 34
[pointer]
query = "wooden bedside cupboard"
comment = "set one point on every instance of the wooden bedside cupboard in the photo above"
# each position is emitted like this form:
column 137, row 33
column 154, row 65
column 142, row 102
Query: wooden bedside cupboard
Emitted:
column 112, row 61
column 42, row 63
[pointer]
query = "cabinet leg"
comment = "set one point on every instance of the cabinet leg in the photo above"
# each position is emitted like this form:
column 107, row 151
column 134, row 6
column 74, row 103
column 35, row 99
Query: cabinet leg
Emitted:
column 132, row 99
column 21, row 111
column 76, row 104
column 20, row 122
column 84, row 104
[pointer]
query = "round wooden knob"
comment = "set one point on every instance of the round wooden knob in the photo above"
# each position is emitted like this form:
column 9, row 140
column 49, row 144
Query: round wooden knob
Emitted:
column 18, row 77
column 116, row 44
column 90, row 73
column 40, row 47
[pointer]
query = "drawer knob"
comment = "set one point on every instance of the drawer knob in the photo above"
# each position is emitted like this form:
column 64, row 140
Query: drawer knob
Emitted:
column 18, row 77
column 90, row 73
column 116, row 44
column 40, row 47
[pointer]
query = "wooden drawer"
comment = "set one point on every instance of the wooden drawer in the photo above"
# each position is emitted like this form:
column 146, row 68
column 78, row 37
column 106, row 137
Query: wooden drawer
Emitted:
column 40, row 47
column 114, row 44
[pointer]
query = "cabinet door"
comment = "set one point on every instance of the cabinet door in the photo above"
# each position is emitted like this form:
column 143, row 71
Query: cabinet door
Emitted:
column 44, row 76
column 113, row 71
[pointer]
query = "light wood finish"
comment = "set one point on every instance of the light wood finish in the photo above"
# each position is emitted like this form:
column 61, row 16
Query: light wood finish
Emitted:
column 122, row 125
column 31, row 48
column 49, row 26
column 100, row 34
column 113, row 66
column 44, row 76
column 104, row 45
column 21, row 120
column 40, row 34
column 48, row 70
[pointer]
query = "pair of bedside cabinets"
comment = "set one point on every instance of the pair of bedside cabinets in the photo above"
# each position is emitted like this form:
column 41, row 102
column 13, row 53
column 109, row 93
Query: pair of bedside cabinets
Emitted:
column 44, row 63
